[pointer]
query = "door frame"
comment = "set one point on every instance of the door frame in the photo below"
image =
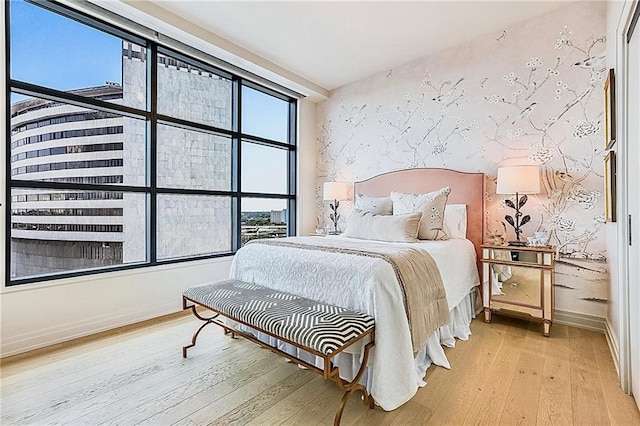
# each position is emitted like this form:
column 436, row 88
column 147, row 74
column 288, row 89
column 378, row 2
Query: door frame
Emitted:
column 628, row 24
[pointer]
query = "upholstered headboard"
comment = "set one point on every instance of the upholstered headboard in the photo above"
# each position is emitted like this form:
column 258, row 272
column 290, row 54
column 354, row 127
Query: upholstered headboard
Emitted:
column 466, row 188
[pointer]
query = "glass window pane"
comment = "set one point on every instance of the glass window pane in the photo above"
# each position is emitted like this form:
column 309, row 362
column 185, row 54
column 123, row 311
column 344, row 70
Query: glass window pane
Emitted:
column 58, row 142
column 264, row 115
column 264, row 169
column 192, row 225
column 193, row 160
column 50, row 50
column 191, row 93
column 56, row 231
column 263, row 218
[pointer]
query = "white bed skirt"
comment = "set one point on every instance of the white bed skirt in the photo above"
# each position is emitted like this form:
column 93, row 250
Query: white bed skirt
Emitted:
column 432, row 353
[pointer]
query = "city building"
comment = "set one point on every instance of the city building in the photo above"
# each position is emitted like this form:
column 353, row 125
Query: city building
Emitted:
column 278, row 216
column 54, row 231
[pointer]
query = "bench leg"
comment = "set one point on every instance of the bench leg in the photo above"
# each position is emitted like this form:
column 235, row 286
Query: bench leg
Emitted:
column 354, row 386
column 207, row 321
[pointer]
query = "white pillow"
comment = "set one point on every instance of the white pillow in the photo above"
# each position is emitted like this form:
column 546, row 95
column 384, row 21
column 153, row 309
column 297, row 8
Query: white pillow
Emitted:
column 375, row 205
column 396, row 228
column 455, row 220
column 431, row 205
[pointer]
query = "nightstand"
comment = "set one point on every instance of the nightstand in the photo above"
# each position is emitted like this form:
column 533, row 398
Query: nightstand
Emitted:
column 518, row 281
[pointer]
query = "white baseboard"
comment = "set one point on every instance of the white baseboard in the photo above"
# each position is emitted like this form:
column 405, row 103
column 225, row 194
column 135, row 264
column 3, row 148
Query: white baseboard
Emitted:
column 612, row 341
column 574, row 319
column 65, row 332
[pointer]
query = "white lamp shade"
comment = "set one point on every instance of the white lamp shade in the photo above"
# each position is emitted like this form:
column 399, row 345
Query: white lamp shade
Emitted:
column 336, row 191
column 518, row 179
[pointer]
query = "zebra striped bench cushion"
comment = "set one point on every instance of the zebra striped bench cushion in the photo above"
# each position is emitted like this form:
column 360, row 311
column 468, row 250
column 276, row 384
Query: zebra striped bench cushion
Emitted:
column 310, row 324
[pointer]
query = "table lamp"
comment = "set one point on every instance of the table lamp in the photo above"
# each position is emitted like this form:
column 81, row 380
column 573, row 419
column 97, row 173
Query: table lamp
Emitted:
column 518, row 180
column 335, row 191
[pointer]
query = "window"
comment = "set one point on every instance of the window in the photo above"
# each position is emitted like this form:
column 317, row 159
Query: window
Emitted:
column 129, row 154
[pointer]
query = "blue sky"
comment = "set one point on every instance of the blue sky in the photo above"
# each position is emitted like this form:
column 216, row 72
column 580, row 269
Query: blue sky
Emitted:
column 56, row 52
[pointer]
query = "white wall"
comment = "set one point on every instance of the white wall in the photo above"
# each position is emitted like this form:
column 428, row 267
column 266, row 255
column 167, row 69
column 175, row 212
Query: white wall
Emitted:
column 36, row 315
column 306, row 167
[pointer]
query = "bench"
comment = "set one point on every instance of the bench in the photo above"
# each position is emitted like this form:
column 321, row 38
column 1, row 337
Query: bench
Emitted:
column 318, row 328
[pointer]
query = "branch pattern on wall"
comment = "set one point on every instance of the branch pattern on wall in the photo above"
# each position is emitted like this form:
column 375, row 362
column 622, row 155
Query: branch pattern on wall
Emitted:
column 534, row 92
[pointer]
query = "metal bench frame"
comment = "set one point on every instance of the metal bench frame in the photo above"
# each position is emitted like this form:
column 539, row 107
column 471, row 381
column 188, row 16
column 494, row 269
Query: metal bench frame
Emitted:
column 330, row 372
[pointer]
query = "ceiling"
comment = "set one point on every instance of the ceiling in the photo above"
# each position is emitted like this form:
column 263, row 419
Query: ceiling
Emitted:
column 335, row 43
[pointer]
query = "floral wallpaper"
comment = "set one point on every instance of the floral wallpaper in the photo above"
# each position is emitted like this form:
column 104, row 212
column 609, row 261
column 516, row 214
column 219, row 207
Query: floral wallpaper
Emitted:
column 529, row 93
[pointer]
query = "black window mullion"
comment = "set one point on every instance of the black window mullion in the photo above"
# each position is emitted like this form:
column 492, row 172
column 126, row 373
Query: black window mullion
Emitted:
column 7, row 85
column 267, row 142
column 152, row 73
column 236, row 166
column 34, row 90
column 292, row 169
column 64, row 186
column 192, row 125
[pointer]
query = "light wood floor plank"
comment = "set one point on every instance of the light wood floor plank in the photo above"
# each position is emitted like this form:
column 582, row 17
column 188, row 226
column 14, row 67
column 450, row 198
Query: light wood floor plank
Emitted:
column 521, row 407
column 488, row 404
column 453, row 407
column 619, row 407
column 130, row 375
column 286, row 375
column 554, row 406
column 282, row 411
column 587, row 395
column 137, row 376
column 222, row 374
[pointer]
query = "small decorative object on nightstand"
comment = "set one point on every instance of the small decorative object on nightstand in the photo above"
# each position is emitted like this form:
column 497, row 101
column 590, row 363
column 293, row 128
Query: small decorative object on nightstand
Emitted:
column 519, row 281
column 335, row 191
column 519, row 180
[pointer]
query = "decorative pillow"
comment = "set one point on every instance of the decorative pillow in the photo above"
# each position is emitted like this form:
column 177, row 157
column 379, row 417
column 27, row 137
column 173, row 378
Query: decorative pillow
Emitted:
column 396, row 228
column 455, row 220
column 375, row 205
column 431, row 205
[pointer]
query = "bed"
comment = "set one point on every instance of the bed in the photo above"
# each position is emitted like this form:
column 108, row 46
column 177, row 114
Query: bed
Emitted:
column 304, row 266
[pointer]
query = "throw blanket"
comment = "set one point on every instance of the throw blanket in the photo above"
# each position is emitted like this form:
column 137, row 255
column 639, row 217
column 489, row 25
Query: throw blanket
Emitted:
column 418, row 276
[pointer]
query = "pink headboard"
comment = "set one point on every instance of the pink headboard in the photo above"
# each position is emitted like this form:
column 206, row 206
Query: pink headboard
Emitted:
column 466, row 188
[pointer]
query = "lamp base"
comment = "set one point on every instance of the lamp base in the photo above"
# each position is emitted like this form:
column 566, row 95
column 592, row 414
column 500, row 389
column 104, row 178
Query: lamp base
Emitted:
column 517, row 243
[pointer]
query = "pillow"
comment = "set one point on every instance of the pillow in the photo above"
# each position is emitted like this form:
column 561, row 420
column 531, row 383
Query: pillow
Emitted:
column 396, row 228
column 431, row 205
column 375, row 205
column 455, row 220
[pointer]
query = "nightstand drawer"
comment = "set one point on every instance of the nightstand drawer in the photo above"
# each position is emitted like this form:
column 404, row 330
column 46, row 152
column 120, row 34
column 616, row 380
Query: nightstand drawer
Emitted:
column 521, row 286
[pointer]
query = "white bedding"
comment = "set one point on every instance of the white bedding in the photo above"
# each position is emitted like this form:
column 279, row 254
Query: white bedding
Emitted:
column 367, row 285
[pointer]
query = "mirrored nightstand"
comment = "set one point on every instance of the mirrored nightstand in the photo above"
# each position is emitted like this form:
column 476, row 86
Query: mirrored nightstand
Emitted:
column 519, row 281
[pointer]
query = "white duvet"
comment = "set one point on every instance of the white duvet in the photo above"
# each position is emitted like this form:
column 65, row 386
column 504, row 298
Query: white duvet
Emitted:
column 367, row 285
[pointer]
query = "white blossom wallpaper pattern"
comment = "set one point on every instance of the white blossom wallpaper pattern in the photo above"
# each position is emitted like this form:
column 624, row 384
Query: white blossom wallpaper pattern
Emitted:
column 532, row 92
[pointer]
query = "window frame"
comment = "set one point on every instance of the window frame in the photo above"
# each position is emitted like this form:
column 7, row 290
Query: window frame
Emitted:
column 153, row 119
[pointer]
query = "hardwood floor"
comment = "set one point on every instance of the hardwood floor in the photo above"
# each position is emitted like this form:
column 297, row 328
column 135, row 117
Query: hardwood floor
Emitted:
column 507, row 373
